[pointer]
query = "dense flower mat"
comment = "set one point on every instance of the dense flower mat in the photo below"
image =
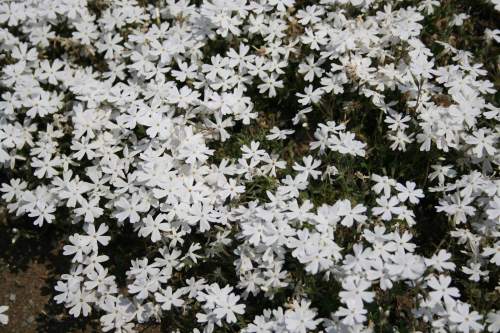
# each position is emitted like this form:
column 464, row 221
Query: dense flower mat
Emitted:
column 284, row 165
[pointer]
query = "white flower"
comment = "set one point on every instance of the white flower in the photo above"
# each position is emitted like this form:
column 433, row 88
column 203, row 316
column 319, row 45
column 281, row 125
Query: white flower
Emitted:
column 409, row 192
column 387, row 207
column 168, row 298
column 228, row 307
column 353, row 314
column 130, row 209
column 4, row 319
column 494, row 321
column 300, row 319
column 440, row 261
column 442, row 290
column 466, row 321
column 154, row 227
column 351, row 214
column 309, row 167
column 277, row 134
column 80, row 303
column 354, row 289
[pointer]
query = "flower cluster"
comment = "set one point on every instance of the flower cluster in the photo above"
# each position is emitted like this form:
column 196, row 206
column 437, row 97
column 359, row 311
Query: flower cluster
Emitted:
column 282, row 155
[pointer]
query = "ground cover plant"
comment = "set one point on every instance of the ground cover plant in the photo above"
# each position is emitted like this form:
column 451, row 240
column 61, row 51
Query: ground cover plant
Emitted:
column 257, row 165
